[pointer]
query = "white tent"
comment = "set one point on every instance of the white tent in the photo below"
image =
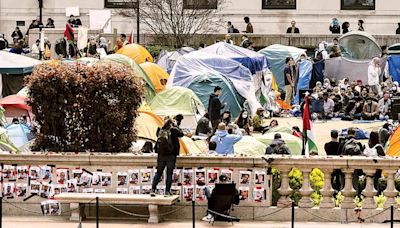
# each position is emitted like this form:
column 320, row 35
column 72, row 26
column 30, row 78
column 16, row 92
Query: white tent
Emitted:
column 16, row 64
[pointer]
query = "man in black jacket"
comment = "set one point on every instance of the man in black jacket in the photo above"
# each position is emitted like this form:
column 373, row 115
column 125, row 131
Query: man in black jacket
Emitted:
column 215, row 107
column 167, row 158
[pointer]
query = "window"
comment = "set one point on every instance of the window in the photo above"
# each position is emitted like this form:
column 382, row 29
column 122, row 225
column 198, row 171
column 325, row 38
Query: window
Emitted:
column 120, row 3
column 358, row 5
column 279, row 4
column 200, row 4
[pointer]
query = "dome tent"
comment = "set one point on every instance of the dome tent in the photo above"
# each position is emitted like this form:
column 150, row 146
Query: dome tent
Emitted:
column 136, row 52
column 178, row 100
column 167, row 59
column 252, row 60
column 360, row 45
column 150, row 90
column 198, row 63
column 156, row 74
column 276, row 55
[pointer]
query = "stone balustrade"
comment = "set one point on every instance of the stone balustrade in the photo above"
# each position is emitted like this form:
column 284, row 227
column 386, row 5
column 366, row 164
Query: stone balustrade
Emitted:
column 123, row 162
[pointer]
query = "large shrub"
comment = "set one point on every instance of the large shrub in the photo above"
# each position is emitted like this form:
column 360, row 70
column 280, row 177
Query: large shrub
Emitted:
column 81, row 108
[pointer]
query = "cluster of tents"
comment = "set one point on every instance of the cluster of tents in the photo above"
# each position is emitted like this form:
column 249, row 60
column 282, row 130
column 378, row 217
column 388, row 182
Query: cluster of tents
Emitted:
column 181, row 81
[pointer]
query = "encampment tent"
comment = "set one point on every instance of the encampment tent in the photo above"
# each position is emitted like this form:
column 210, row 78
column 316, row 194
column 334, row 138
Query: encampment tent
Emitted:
column 276, row 55
column 252, row 60
column 138, row 71
column 305, row 69
column 13, row 69
column 5, row 142
column 167, row 59
column 249, row 146
column 178, row 100
column 360, row 45
column 136, row 52
column 341, row 67
column 156, row 74
column 196, row 64
column 15, row 106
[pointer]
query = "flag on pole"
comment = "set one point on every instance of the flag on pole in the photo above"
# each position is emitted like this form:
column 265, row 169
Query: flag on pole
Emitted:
column 131, row 41
column 309, row 144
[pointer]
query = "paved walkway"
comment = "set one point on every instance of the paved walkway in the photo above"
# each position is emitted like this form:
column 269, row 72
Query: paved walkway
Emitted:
column 58, row 222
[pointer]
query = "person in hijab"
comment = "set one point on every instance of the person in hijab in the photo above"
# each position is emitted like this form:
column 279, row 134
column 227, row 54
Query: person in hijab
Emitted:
column 374, row 70
column 91, row 48
column 335, row 26
column 103, row 44
column 321, row 53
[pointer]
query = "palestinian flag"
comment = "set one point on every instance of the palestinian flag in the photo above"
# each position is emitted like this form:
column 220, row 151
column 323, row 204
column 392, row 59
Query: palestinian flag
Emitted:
column 309, row 145
column 69, row 32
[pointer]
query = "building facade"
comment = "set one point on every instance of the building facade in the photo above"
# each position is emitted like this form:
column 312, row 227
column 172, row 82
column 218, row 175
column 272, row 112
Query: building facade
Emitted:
column 267, row 16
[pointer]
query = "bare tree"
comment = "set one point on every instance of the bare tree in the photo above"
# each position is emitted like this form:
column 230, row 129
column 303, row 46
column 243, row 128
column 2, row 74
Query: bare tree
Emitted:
column 177, row 20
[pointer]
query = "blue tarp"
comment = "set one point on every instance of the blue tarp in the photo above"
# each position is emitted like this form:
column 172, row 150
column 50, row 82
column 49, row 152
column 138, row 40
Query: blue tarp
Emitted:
column 18, row 134
column 305, row 71
column 394, row 67
column 197, row 63
column 250, row 59
column 276, row 55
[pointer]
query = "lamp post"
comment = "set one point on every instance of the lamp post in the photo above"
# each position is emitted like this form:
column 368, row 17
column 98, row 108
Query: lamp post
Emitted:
column 40, row 26
column 137, row 22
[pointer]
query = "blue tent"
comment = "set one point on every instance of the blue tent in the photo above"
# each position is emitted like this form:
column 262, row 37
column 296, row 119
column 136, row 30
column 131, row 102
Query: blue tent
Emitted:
column 276, row 55
column 197, row 63
column 203, row 86
column 305, row 72
column 250, row 59
column 167, row 59
column 18, row 134
column 394, row 67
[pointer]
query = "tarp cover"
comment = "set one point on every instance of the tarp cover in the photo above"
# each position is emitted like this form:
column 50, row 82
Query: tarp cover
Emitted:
column 276, row 55
column 360, row 45
column 250, row 59
column 340, row 68
column 305, row 72
column 18, row 134
column 167, row 59
column 203, row 86
column 249, row 146
column 199, row 63
column 394, row 67
column 11, row 63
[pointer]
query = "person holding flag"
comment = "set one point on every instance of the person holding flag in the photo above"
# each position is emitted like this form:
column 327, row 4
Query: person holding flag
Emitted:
column 71, row 48
column 309, row 145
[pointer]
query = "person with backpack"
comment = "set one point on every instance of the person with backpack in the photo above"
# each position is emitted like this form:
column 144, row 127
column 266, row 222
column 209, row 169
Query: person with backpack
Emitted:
column 167, row 147
column 225, row 141
column 373, row 148
column 350, row 146
column 277, row 146
column 231, row 28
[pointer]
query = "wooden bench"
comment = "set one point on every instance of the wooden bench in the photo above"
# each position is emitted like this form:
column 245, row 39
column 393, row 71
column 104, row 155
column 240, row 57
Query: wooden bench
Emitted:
column 78, row 200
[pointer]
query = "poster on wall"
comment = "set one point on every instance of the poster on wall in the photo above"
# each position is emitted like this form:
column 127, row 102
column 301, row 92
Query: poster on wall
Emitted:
column 358, row 5
column 259, row 177
column 72, row 11
column 244, row 177
column 212, row 176
column 133, row 176
column 100, row 19
column 279, row 4
column 244, row 193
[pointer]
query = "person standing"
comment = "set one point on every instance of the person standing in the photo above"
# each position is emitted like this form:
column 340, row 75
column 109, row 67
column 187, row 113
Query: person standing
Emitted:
column 360, row 25
column 249, row 27
column 293, row 29
column 17, row 34
column 398, row 29
column 3, row 42
column 345, row 27
column 167, row 147
column 335, row 26
column 374, row 71
column 50, row 23
column 332, row 147
column 288, row 75
column 215, row 107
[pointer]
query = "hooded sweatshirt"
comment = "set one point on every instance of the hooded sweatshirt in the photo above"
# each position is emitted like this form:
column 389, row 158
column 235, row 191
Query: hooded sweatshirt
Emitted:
column 225, row 141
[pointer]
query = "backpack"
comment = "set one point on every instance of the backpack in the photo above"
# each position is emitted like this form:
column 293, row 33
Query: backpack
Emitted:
column 352, row 147
column 164, row 145
column 280, row 149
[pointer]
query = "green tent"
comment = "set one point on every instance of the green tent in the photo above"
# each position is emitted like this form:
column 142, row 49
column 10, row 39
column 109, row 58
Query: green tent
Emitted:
column 280, row 129
column 178, row 100
column 138, row 71
column 294, row 143
column 249, row 146
column 203, row 86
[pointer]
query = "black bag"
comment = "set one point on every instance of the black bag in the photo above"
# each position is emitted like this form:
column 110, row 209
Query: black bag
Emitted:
column 352, row 147
column 280, row 149
column 235, row 30
column 164, row 145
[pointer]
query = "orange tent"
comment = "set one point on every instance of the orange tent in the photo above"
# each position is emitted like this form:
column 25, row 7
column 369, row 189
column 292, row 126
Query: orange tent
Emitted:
column 136, row 52
column 156, row 74
column 394, row 144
